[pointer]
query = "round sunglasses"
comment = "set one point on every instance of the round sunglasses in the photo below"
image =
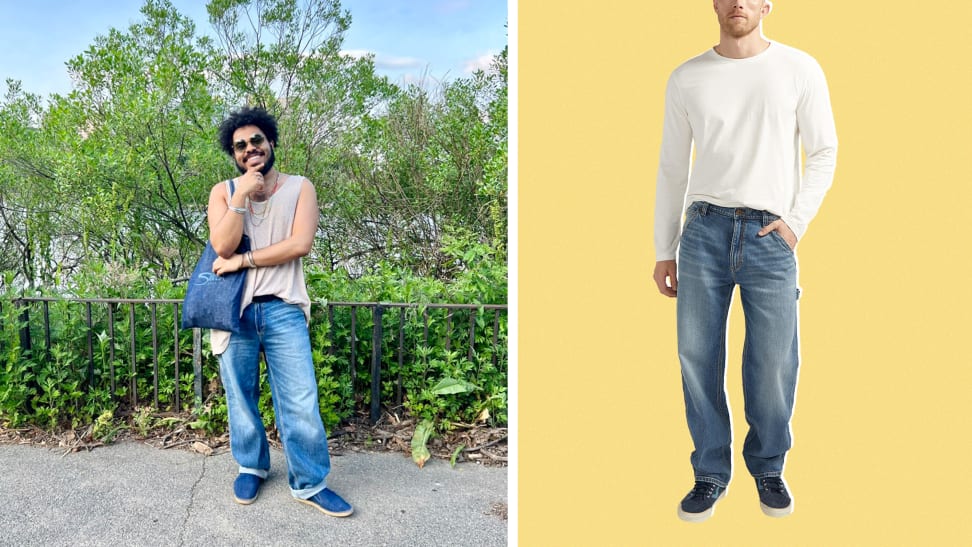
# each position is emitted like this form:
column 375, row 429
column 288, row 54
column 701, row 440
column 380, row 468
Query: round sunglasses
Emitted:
column 256, row 140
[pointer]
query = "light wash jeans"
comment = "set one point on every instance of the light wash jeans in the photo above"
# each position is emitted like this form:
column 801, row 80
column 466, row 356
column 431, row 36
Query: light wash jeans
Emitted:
column 281, row 330
column 719, row 249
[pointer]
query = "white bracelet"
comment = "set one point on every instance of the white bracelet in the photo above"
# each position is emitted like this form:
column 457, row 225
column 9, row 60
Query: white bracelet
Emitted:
column 238, row 210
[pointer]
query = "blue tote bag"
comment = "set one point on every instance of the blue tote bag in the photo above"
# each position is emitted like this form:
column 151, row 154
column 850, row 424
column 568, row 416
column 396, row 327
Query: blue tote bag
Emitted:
column 213, row 301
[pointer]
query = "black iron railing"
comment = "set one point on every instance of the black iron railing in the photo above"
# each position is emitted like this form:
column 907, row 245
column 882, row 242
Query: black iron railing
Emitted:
column 102, row 316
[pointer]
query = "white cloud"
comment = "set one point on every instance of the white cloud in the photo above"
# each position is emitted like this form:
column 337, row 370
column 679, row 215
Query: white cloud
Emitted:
column 392, row 62
column 479, row 63
column 386, row 62
column 356, row 53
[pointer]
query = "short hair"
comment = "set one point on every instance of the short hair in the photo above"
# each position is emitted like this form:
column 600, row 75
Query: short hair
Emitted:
column 246, row 116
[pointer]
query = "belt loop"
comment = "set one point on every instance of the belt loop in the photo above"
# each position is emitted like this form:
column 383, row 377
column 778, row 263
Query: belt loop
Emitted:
column 704, row 208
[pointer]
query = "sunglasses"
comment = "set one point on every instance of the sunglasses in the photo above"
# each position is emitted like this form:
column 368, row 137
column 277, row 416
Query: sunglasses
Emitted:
column 256, row 140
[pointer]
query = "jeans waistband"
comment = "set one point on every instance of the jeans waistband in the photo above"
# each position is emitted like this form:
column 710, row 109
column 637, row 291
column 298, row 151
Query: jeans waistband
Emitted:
column 265, row 298
column 704, row 208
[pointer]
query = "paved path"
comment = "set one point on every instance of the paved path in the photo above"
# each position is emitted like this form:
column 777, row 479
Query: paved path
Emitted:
column 134, row 494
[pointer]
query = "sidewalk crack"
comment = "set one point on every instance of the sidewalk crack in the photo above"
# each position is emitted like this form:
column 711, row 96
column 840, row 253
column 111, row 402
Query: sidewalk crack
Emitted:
column 192, row 501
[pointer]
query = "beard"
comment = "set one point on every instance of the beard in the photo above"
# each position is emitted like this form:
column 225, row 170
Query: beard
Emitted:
column 739, row 29
column 267, row 165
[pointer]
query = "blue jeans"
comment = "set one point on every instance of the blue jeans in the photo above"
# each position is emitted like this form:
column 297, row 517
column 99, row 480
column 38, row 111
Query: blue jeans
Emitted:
column 719, row 249
column 280, row 330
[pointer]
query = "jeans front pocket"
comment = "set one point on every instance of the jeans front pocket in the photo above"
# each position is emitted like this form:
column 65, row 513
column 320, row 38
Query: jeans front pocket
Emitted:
column 776, row 235
column 691, row 214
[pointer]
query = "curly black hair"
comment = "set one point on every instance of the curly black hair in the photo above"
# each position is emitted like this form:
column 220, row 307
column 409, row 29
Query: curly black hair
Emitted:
column 243, row 117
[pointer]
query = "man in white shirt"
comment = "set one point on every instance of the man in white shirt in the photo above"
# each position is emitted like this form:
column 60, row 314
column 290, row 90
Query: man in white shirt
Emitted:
column 746, row 106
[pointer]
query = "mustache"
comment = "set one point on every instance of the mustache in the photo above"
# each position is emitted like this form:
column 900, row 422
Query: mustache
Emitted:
column 271, row 158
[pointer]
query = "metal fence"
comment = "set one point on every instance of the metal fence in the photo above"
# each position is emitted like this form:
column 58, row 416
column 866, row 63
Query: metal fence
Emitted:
column 113, row 310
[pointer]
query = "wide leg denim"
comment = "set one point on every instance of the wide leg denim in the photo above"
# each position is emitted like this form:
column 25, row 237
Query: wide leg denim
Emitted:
column 281, row 331
column 719, row 249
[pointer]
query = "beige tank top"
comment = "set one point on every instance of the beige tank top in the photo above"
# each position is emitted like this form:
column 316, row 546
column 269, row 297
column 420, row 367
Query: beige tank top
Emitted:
column 267, row 223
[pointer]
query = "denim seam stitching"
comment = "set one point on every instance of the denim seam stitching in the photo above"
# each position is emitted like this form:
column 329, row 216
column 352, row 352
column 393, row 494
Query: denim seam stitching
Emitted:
column 768, row 474
column 711, row 480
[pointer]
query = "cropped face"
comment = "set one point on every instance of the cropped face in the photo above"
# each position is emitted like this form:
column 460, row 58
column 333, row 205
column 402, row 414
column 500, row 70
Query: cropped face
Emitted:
column 739, row 18
column 251, row 148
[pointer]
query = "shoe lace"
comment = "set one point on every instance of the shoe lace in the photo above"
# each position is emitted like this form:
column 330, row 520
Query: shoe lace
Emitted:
column 703, row 489
column 773, row 484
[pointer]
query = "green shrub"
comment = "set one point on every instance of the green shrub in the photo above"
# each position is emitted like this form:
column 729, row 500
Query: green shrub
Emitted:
column 101, row 359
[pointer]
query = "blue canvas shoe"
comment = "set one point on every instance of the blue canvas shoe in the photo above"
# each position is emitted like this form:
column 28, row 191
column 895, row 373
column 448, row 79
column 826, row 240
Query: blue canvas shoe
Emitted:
column 774, row 498
column 246, row 487
column 329, row 503
column 699, row 504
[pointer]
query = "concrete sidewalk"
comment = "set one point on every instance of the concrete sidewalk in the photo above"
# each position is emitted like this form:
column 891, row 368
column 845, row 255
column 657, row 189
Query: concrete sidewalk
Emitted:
column 134, row 494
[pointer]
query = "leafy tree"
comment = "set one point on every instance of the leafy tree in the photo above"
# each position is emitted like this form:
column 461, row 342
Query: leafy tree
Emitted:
column 119, row 169
column 145, row 117
column 24, row 174
column 114, row 176
column 285, row 55
column 432, row 164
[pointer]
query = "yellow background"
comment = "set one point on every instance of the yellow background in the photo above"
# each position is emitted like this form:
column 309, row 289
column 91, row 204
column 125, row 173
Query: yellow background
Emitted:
column 882, row 426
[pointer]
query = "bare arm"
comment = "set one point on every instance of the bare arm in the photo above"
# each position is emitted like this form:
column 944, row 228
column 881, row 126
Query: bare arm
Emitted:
column 225, row 226
column 299, row 243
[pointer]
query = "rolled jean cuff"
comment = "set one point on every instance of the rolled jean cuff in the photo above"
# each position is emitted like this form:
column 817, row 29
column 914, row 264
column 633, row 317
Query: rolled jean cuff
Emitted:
column 307, row 493
column 711, row 480
column 262, row 473
column 768, row 474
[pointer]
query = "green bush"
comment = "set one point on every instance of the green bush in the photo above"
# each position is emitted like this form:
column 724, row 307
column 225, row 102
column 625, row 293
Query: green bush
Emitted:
column 93, row 367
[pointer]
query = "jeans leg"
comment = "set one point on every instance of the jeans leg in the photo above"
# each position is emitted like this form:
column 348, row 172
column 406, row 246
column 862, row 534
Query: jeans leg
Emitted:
column 705, row 289
column 239, row 368
column 293, row 384
column 768, row 288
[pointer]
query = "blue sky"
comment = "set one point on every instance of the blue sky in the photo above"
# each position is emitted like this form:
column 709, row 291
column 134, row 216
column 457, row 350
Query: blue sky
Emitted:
column 411, row 39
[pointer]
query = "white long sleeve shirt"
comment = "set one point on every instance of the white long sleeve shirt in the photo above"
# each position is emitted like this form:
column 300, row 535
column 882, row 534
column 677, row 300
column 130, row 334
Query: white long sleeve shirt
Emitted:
column 746, row 119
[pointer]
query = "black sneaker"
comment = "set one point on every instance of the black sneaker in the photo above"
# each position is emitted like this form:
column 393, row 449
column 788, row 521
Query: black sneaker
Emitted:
column 699, row 504
column 774, row 499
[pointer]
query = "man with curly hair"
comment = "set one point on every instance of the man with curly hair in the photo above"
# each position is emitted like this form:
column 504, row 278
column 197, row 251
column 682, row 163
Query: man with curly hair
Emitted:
column 279, row 214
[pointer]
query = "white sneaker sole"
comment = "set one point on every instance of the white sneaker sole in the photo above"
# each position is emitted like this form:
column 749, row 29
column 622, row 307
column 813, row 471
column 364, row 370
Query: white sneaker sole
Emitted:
column 774, row 512
column 704, row 515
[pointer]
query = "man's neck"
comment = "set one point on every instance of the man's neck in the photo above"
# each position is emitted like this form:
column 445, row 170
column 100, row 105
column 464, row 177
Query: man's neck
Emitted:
column 750, row 45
